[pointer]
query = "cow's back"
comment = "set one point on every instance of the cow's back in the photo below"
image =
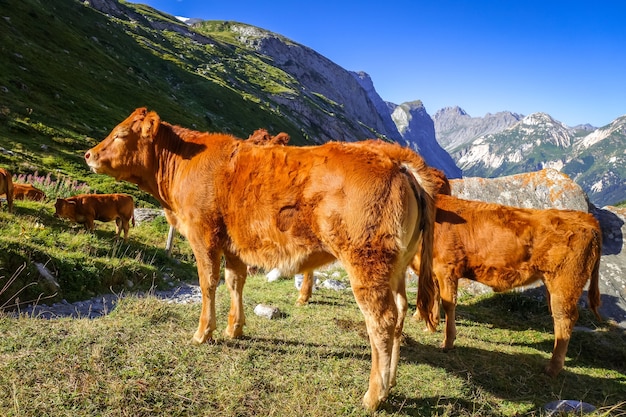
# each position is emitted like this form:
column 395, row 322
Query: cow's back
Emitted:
column 292, row 200
column 505, row 247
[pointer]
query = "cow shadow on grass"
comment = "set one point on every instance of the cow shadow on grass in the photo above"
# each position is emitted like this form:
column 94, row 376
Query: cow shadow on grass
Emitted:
column 501, row 375
column 519, row 313
column 487, row 377
column 529, row 310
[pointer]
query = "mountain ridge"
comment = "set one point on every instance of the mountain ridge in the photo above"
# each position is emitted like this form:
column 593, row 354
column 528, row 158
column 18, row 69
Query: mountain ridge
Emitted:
column 593, row 159
column 75, row 69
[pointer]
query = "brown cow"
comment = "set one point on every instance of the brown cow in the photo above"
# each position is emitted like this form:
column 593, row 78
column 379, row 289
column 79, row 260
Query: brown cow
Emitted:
column 27, row 192
column 441, row 186
column 6, row 187
column 507, row 247
column 292, row 207
column 85, row 208
column 262, row 137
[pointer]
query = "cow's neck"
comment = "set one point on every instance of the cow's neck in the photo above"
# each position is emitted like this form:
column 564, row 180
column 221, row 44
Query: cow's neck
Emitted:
column 167, row 164
column 178, row 160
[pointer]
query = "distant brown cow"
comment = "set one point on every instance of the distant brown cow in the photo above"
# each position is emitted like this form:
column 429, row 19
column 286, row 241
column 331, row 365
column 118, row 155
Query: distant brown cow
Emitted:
column 507, row 247
column 292, row 207
column 27, row 192
column 6, row 187
column 262, row 137
column 85, row 208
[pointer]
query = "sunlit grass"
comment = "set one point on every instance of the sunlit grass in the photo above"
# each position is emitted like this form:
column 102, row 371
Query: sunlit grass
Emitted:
column 315, row 360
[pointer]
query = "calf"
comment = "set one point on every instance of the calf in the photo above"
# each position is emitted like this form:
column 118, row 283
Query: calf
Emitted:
column 86, row 208
column 27, row 192
column 6, row 187
column 295, row 208
column 507, row 247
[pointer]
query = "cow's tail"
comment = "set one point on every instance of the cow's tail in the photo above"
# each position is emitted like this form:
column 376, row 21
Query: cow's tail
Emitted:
column 425, row 191
column 427, row 291
column 594, row 284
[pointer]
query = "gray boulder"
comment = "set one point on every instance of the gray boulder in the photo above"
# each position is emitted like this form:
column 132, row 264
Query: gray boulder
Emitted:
column 547, row 188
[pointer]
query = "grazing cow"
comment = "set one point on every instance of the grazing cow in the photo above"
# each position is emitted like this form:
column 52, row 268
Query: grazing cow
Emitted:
column 507, row 247
column 6, row 187
column 85, row 208
column 292, row 207
column 27, row 192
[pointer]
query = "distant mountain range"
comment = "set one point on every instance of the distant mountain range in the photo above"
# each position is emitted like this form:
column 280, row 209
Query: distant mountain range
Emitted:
column 507, row 143
column 75, row 69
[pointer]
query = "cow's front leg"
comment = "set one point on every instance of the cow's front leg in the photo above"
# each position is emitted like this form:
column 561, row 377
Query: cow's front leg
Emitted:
column 306, row 289
column 235, row 276
column 209, row 276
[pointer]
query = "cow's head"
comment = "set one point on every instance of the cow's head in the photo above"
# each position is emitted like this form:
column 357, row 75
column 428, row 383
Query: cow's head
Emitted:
column 127, row 151
column 65, row 209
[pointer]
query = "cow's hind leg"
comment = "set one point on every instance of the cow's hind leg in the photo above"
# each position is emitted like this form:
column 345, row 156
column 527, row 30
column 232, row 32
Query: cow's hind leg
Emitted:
column 235, row 277
column 448, row 291
column 376, row 301
column 399, row 295
column 125, row 227
column 306, row 289
column 564, row 316
column 118, row 226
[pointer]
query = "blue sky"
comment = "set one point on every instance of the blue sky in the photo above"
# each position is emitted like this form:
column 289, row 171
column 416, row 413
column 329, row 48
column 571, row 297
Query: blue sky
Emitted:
column 565, row 58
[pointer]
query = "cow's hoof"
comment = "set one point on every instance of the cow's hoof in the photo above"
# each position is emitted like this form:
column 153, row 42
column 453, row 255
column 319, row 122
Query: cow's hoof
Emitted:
column 446, row 347
column 551, row 370
column 203, row 338
column 371, row 402
column 302, row 302
column 234, row 333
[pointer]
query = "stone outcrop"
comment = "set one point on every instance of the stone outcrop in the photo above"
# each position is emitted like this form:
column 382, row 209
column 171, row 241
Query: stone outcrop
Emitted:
column 547, row 188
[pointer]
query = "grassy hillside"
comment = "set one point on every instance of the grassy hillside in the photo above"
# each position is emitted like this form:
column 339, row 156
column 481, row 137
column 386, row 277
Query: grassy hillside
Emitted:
column 68, row 75
column 83, row 264
column 314, row 361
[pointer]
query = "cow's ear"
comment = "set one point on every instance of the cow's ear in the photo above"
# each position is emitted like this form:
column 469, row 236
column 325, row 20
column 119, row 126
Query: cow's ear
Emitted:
column 137, row 118
column 139, row 114
column 150, row 125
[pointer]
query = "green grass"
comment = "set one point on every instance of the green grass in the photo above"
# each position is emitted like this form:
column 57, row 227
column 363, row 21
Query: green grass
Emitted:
column 138, row 361
column 84, row 264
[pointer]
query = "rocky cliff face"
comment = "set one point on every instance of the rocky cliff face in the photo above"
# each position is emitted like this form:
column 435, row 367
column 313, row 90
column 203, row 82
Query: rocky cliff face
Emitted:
column 382, row 107
column 418, row 132
column 455, row 127
column 324, row 79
